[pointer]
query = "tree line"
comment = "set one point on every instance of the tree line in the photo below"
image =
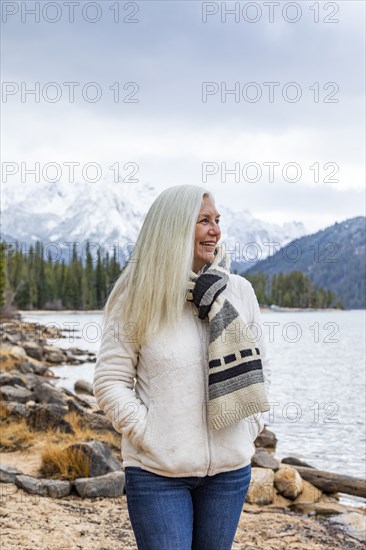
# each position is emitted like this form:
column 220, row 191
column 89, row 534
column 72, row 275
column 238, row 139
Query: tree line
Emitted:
column 29, row 281
column 293, row 289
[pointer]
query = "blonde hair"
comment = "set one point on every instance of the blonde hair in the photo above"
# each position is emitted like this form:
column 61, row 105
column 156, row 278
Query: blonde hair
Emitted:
column 154, row 282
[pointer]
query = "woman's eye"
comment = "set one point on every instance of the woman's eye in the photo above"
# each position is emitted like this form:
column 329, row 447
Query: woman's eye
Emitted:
column 206, row 220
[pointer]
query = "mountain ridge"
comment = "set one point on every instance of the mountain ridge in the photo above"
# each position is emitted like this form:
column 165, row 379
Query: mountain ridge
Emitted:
column 333, row 258
column 112, row 214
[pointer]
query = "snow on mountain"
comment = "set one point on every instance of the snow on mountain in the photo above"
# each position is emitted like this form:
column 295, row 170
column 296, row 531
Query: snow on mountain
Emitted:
column 107, row 213
column 249, row 240
column 104, row 212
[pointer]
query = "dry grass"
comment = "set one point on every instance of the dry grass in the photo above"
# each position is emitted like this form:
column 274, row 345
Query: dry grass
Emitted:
column 4, row 413
column 58, row 462
column 15, row 436
column 14, row 432
column 61, row 462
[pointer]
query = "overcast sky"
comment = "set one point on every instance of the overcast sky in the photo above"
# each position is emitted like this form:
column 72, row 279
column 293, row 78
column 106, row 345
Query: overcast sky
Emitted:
column 150, row 87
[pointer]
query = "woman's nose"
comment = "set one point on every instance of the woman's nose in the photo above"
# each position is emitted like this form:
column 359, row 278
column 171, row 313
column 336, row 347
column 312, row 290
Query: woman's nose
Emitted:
column 215, row 228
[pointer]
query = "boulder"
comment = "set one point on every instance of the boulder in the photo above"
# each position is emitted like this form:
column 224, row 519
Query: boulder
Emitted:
column 45, row 392
column 288, row 483
column 261, row 490
column 51, row 332
column 11, row 339
column 77, row 351
column 8, row 473
column 72, row 360
column 101, row 459
column 27, row 367
column 266, row 439
column 33, row 349
column 12, row 357
column 10, row 378
column 43, row 417
column 108, row 485
column 76, row 356
column 52, row 354
column 307, row 497
column 76, row 407
column 39, row 368
column 46, row 487
column 264, row 459
column 309, row 494
column 96, row 422
column 16, row 410
column 10, row 327
column 84, row 387
column 75, row 399
column 354, row 523
column 15, row 393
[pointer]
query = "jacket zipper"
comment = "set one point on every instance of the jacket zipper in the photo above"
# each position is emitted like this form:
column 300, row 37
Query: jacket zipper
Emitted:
column 203, row 338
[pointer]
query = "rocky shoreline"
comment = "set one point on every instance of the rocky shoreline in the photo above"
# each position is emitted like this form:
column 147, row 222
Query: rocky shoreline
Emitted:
column 60, row 462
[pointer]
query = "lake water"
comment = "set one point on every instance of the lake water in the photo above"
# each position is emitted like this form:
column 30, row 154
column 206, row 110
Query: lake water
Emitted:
column 317, row 390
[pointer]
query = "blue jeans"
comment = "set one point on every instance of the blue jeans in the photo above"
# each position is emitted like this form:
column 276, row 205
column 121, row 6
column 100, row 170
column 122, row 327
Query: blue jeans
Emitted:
column 185, row 513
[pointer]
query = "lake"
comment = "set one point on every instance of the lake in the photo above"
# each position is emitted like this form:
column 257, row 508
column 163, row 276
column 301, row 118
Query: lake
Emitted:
column 317, row 390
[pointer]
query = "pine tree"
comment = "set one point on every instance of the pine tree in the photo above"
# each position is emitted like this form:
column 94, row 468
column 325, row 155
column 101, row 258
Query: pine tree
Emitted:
column 114, row 271
column 100, row 281
column 88, row 282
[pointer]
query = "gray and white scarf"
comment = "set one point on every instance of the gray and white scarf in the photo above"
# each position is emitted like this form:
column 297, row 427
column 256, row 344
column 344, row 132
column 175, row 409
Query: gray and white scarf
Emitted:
column 235, row 373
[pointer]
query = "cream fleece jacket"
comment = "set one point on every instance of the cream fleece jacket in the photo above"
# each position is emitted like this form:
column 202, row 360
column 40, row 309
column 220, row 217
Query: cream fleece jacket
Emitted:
column 162, row 415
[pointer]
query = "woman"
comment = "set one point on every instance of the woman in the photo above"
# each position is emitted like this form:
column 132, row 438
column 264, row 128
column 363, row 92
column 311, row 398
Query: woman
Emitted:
column 180, row 375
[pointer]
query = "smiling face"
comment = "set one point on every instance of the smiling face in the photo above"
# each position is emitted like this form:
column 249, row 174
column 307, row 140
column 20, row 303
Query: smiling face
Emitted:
column 207, row 234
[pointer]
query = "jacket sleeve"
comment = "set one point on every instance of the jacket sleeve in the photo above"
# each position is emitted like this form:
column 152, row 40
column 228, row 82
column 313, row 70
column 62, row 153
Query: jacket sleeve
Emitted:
column 114, row 374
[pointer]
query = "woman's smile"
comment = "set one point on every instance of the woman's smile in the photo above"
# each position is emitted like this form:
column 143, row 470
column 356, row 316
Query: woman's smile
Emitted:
column 207, row 234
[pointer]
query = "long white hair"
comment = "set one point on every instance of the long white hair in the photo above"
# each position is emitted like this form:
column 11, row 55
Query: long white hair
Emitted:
column 154, row 282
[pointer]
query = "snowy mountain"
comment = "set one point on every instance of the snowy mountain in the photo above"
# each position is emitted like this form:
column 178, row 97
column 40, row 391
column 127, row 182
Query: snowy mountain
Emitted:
column 107, row 213
column 249, row 240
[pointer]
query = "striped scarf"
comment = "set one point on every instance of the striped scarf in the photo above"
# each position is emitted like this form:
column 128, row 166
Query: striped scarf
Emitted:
column 235, row 379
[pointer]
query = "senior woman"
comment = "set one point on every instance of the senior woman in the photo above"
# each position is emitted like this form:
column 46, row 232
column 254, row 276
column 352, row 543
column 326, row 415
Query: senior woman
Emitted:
column 182, row 376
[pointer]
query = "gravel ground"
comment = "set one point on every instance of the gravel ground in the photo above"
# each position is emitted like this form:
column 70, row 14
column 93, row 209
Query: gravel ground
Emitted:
column 32, row 522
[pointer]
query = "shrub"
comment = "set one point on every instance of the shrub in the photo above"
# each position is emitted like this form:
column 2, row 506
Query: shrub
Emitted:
column 63, row 462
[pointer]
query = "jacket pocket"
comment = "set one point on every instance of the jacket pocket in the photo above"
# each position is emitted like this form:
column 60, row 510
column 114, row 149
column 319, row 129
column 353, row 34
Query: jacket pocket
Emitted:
column 135, row 432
